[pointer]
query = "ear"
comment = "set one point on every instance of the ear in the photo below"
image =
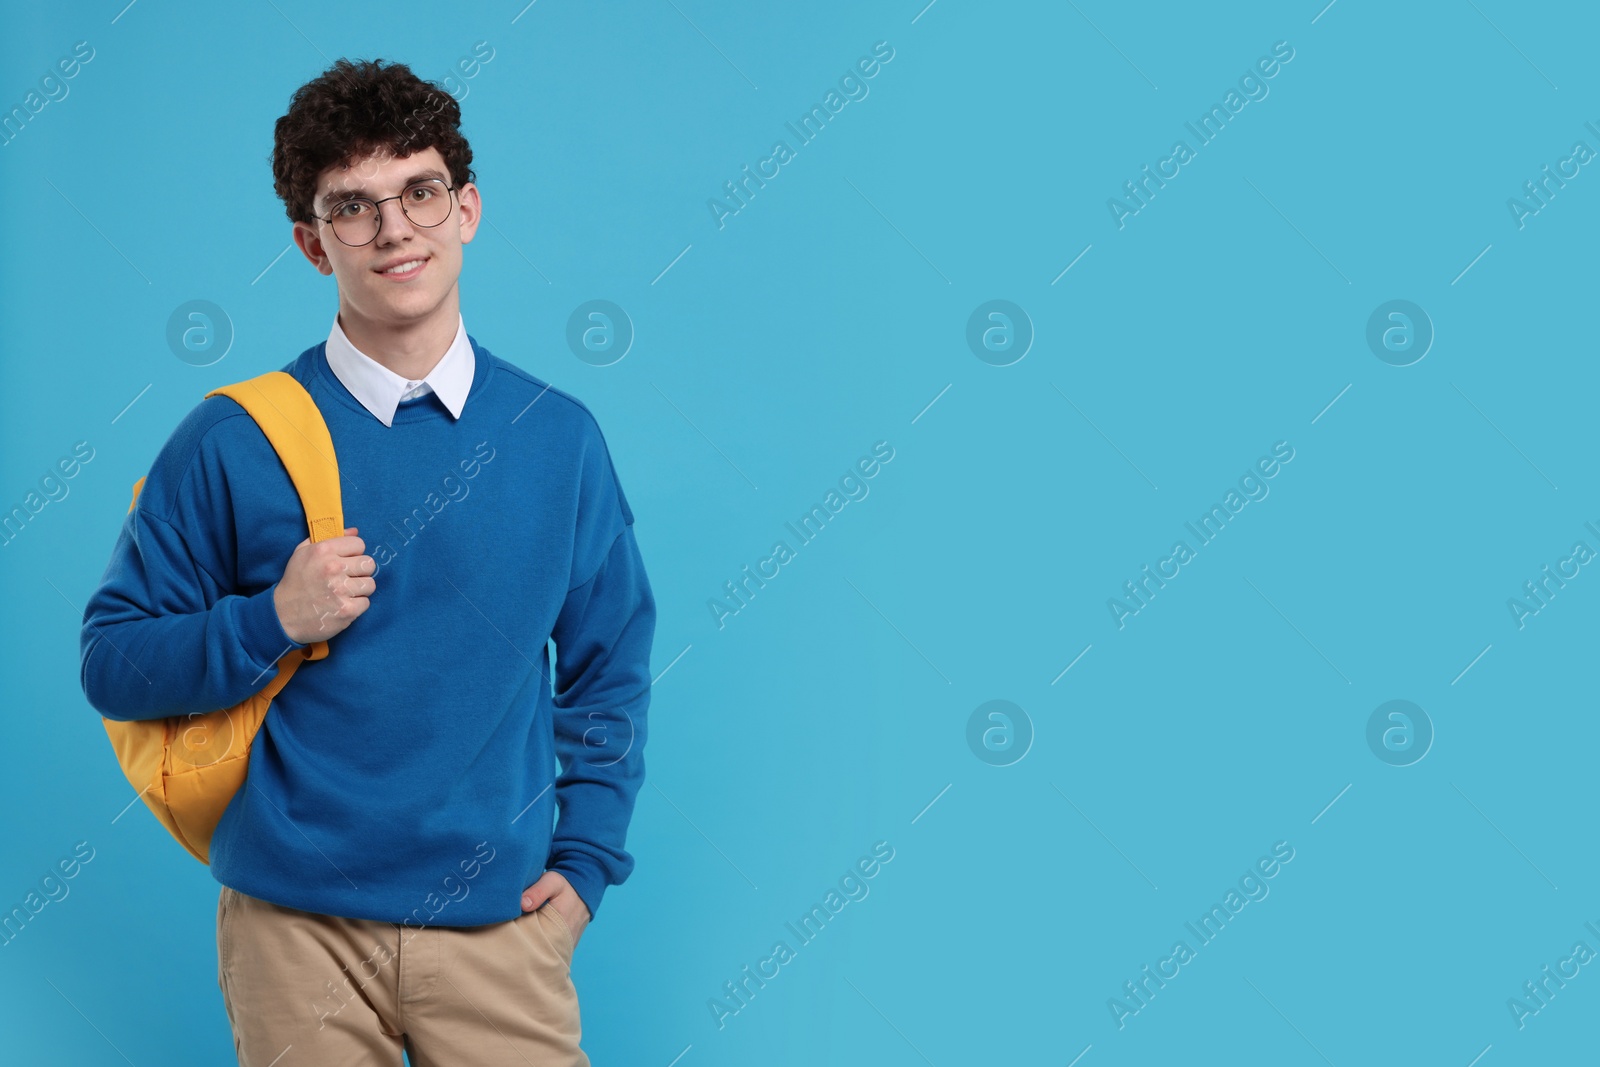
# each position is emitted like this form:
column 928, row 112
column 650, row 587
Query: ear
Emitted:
column 471, row 209
column 309, row 241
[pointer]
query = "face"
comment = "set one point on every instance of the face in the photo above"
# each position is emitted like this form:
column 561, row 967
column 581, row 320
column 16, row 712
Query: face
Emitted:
column 431, row 256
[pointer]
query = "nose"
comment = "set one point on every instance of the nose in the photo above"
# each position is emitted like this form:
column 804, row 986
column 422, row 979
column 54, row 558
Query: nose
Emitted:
column 392, row 222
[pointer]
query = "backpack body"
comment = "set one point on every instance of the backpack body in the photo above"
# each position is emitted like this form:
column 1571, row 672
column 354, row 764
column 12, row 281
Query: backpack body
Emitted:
column 187, row 768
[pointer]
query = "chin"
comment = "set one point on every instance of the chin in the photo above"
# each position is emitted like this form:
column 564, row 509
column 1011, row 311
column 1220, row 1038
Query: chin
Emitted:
column 409, row 302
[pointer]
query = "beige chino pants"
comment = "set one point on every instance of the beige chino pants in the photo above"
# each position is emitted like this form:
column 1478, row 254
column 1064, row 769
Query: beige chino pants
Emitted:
column 310, row 990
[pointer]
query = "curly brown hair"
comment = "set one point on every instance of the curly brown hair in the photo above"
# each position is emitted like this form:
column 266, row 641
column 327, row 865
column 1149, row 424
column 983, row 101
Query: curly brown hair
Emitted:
column 354, row 109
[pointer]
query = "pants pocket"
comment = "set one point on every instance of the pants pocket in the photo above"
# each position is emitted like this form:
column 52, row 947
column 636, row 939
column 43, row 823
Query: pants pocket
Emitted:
column 564, row 937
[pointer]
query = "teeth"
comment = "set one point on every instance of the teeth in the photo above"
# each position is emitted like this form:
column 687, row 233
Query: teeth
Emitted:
column 403, row 267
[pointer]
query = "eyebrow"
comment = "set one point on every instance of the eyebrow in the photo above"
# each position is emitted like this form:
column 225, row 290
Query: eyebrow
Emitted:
column 352, row 192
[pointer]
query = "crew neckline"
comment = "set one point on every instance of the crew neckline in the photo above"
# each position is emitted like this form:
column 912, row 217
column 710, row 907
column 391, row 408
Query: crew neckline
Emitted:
column 417, row 409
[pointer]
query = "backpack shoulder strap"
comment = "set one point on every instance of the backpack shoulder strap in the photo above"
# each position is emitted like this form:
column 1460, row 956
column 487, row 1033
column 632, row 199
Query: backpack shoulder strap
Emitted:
column 295, row 428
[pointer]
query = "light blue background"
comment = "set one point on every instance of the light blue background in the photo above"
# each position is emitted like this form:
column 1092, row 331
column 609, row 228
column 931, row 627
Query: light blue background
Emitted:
column 825, row 316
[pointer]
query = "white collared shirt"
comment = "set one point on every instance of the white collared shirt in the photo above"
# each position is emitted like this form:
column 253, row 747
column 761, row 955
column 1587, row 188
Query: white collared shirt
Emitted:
column 380, row 389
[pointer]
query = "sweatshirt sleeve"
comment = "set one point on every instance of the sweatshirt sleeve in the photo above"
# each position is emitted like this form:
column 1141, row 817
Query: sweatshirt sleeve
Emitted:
column 161, row 634
column 603, row 636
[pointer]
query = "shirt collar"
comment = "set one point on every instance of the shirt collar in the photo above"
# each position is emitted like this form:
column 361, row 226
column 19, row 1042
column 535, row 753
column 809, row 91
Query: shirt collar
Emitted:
column 380, row 389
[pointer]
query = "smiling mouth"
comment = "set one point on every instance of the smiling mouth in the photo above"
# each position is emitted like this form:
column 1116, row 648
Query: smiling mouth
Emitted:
column 404, row 271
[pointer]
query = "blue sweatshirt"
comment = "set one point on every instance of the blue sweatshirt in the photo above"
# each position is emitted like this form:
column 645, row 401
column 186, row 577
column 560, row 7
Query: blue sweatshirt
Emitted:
column 407, row 777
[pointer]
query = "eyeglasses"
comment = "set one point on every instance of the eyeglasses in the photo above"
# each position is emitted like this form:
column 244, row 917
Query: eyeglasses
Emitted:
column 357, row 221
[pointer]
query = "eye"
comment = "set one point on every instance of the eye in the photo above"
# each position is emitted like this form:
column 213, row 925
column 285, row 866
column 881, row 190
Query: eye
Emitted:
column 420, row 194
column 352, row 209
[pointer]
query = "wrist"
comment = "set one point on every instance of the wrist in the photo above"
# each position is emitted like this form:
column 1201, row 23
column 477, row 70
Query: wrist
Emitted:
column 278, row 612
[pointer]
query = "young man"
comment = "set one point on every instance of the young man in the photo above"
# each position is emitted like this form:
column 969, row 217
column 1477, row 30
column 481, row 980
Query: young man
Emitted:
column 390, row 874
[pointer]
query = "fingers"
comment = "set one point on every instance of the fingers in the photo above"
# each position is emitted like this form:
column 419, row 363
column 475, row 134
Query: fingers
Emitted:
column 347, row 545
column 535, row 895
column 549, row 886
column 334, row 548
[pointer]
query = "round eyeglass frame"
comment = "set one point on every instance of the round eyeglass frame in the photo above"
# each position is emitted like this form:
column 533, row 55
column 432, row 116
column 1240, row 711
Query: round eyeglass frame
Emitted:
column 377, row 210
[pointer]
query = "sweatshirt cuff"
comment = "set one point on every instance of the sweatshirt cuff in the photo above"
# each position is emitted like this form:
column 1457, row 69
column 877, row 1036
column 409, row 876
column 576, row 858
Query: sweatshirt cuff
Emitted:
column 260, row 631
column 585, row 876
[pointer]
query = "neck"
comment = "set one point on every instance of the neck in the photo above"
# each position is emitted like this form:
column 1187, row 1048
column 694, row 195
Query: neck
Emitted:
column 410, row 349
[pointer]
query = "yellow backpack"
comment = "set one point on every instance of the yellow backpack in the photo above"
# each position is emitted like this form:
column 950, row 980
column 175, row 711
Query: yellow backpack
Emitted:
column 188, row 767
